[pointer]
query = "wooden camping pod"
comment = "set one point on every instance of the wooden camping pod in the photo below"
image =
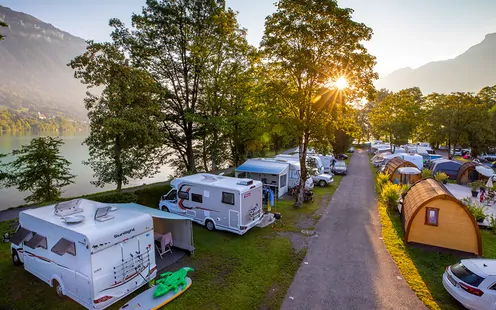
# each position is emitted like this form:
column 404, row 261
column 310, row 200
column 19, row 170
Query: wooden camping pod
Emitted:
column 393, row 165
column 433, row 216
column 465, row 171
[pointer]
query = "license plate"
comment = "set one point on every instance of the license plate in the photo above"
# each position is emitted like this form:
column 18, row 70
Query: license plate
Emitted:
column 450, row 278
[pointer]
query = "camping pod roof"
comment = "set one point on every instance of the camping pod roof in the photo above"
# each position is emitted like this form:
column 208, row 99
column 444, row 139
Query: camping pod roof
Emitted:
column 463, row 168
column 396, row 163
column 422, row 193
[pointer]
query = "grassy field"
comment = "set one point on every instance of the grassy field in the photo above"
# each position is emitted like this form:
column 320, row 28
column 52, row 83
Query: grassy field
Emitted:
column 252, row 271
column 423, row 269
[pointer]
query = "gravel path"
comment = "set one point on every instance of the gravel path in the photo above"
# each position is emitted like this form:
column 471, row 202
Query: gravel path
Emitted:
column 347, row 265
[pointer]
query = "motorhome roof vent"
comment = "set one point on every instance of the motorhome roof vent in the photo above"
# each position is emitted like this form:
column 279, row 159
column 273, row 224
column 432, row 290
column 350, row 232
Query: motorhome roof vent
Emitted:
column 245, row 182
column 209, row 178
column 68, row 207
column 101, row 214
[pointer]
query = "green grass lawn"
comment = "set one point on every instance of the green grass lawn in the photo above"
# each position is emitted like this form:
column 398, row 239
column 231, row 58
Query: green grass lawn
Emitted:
column 423, row 269
column 252, row 271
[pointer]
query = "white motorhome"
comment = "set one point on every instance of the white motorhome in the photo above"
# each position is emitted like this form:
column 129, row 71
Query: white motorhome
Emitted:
column 321, row 178
column 91, row 252
column 218, row 202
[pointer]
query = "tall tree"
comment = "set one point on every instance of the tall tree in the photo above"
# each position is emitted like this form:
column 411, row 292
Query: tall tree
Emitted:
column 3, row 173
column 308, row 43
column 179, row 42
column 396, row 117
column 125, row 140
column 2, row 24
column 40, row 169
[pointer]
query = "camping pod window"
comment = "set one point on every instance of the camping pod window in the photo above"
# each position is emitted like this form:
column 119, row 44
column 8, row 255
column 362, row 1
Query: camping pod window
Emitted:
column 228, row 198
column 64, row 246
column 197, row 198
column 21, row 235
column 432, row 216
column 37, row 241
column 282, row 180
column 183, row 195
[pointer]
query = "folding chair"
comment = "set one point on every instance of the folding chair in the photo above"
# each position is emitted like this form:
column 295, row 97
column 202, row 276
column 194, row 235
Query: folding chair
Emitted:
column 163, row 243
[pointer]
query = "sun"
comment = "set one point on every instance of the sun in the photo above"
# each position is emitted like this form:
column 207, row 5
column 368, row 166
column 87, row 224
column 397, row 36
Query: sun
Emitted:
column 341, row 83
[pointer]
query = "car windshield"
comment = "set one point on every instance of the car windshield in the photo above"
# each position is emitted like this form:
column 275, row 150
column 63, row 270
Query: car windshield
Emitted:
column 340, row 164
column 464, row 274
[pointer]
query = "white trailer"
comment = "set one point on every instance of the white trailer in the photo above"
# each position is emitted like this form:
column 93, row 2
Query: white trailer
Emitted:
column 271, row 173
column 218, row 202
column 93, row 253
column 320, row 178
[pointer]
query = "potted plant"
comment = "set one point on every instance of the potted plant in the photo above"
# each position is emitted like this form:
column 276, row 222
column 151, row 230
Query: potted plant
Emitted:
column 474, row 186
column 441, row 177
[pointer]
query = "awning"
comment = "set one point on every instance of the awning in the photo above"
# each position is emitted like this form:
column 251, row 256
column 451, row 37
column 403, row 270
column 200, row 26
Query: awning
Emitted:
column 264, row 167
column 409, row 170
column 488, row 172
column 153, row 212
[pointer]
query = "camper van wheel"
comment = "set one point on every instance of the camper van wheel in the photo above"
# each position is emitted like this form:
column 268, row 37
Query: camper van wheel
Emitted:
column 58, row 288
column 210, row 225
column 15, row 258
column 165, row 209
column 322, row 183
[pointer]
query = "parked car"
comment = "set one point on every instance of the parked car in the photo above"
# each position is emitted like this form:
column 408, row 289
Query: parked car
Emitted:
column 351, row 150
column 488, row 157
column 341, row 156
column 472, row 282
column 457, row 152
column 340, row 168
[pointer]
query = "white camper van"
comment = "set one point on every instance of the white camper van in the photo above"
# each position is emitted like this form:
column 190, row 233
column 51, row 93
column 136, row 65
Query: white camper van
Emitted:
column 321, row 179
column 91, row 252
column 218, row 202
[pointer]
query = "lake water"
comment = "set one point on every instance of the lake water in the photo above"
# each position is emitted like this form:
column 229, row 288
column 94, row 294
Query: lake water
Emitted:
column 73, row 151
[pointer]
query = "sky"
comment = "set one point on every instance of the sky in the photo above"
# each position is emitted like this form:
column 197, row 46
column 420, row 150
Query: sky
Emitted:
column 407, row 33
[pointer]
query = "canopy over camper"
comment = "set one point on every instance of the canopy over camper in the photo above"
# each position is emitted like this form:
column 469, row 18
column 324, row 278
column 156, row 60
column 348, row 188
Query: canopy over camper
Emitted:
column 450, row 167
column 432, row 216
column 392, row 168
column 271, row 173
column 467, row 173
column 180, row 227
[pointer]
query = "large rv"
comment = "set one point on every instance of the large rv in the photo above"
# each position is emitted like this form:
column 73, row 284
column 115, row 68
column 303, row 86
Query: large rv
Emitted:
column 91, row 252
column 218, row 202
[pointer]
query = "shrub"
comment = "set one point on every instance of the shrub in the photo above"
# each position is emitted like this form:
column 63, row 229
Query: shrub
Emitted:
column 404, row 189
column 150, row 196
column 382, row 178
column 492, row 223
column 441, row 176
column 390, row 194
column 474, row 186
column 426, row 173
column 478, row 210
column 115, row 197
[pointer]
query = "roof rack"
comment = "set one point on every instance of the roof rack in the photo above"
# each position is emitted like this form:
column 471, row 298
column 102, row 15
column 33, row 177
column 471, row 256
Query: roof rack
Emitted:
column 68, row 207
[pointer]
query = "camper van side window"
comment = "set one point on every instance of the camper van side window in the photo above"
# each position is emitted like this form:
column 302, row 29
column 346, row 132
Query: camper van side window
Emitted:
column 183, row 195
column 228, row 198
column 197, row 198
column 282, row 181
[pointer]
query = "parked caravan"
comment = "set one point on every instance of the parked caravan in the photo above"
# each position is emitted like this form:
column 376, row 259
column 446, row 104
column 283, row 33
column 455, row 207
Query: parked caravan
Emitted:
column 321, row 178
column 93, row 253
column 325, row 160
column 450, row 167
column 416, row 159
column 273, row 174
column 294, row 174
column 218, row 202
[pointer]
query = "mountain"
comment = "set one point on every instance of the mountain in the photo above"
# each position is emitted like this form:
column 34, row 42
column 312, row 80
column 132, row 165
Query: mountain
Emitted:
column 34, row 74
column 468, row 72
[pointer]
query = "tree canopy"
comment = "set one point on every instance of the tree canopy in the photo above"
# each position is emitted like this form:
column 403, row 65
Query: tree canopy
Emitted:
column 308, row 46
column 125, row 139
column 40, row 169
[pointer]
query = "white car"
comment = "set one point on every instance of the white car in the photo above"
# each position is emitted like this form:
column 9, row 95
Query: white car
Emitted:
column 323, row 179
column 473, row 283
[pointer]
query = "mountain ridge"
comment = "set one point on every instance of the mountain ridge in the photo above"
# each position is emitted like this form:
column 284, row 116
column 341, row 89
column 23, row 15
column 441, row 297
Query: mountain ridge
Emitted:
column 470, row 71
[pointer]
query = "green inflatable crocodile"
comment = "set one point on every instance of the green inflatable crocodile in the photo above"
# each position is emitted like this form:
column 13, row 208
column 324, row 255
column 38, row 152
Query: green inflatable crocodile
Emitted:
column 171, row 280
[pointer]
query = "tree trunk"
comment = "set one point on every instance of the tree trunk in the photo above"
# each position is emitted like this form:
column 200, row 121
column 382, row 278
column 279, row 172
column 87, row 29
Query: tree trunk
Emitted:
column 214, row 152
column 118, row 163
column 204, row 152
column 303, row 173
column 191, row 168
